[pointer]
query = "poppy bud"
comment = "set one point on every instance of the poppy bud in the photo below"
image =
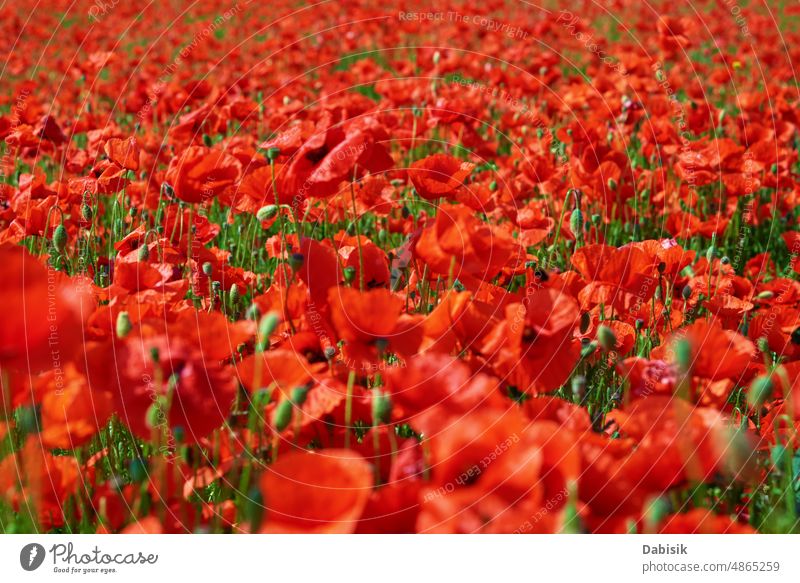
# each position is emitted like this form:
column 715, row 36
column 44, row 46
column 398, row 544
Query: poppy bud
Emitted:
column 329, row 352
column 686, row 292
column 760, row 391
column 296, row 261
column 299, row 395
column 179, row 433
column 233, row 294
column 612, row 184
column 124, row 325
column 349, row 273
column 167, row 189
column 268, row 324
column 683, row 353
column 763, row 344
column 273, row 153
column 267, row 212
column 143, row 254
column 596, row 219
column 86, row 212
column 283, row 415
column 492, row 186
column 208, row 269
column 381, row 407
column 606, row 337
column 586, row 319
column 725, row 260
column 638, row 324
column 576, row 222
column 711, row 254
column 60, row 238
column 765, row 295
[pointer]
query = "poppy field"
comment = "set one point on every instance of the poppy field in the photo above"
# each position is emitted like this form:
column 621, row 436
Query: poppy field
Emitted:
column 397, row 267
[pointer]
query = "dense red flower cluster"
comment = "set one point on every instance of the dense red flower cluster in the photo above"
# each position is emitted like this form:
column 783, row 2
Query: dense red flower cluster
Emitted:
column 269, row 269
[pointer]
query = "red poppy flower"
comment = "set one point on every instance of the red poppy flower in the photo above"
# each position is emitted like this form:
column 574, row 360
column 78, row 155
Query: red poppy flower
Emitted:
column 439, row 175
column 201, row 173
column 316, row 492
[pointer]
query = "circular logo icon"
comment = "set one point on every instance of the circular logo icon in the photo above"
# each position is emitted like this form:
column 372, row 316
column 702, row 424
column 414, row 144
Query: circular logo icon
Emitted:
column 31, row 556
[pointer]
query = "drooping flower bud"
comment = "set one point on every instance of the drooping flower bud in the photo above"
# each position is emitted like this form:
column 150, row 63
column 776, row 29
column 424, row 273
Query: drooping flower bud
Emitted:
column 283, row 414
column 606, row 337
column 60, row 238
column 124, row 325
column 267, row 212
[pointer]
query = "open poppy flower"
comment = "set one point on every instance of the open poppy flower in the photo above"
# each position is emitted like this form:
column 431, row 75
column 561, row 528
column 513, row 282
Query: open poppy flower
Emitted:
column 323, row 492
column 372, row 325
column 439, row 175
column 200, row 174
column 533, row 348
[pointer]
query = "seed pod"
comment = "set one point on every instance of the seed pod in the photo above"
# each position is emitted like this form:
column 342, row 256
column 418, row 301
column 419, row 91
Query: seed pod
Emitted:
column 86, row 212
column 273, row 153
column 60, row 238
column 208, row 269
column 283, row 415
column 686, row 292
column 143, row 254
column 349, row 274
column 124, row 325
column 267, row 212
